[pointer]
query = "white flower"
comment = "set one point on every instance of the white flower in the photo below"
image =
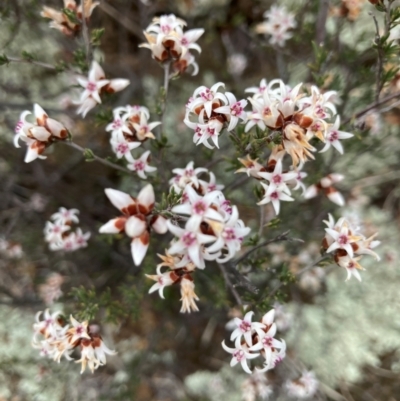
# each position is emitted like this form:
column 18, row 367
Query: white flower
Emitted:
column 190, row 241
column 65, row 216
column 121, row 147
column 136, row 219
column 239, row 354
column 234, row 110
column 94, row 85
column 185, row 176
column 333, row 135
column 246, row 328
column 274, row 194
column 141, row 165
column 162, row 280
column 304, row 387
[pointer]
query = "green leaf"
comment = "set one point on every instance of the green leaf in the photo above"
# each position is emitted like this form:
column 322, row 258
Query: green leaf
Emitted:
column 71, row 16
column 27, row 56
column 88, row 155
column 4, row 59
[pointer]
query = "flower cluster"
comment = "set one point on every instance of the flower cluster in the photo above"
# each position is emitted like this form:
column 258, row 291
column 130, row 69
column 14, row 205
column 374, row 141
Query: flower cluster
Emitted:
column 325, row 185
column 296, row 118
column 256, row 387
column 348, row 245
column 250, row 337
column 212, row 111
column 169, row 44
column 38, row 135
column 50, row 290
column 10, row 249
column 55, row 339
column 189, row 175
column 58, row 232
column 68, row 21
column 277, row 25
column 129, row 129
column 305, row 386
column 96, row 85
column 137, row 220
column 213, row 231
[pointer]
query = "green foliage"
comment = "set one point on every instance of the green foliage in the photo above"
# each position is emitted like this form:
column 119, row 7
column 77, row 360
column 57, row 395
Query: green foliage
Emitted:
column 4, row 59
column 112, row 306
column 88, row 155
column 160, row 144
column 71, row 16
column 80, row 60
column 168, row 201
column 28, row 56
column 96, row 36
column 103, row 116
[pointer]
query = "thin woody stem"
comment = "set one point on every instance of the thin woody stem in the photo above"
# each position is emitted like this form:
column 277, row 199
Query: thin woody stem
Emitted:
column 85, row 35
column 299, row 273
column 372, row 107
column 280, row 237
column 26, row 61
column 98, row 158
column 164, row 101
column 230, row 285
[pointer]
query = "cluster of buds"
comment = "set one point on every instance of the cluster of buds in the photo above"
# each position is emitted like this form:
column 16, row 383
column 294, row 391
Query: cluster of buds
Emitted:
column 213, row 231
column 55, row 339
column 190, row 175
column 69, row 20
column 38, row 135
column 169, row 44
column 256, row 387
column 137, row 221
column 304, row 387
column 251, row 337
column 10, row 249
column 278, row 22
column 212, row 111
column 96, row 85
column 348, row 245
column 50, row 290
column 129, row 129
column 295, row 118
column 58, row 232
column 326, row 186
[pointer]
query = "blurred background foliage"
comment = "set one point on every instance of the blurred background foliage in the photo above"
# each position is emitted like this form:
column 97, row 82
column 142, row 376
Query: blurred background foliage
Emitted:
column 348, row 333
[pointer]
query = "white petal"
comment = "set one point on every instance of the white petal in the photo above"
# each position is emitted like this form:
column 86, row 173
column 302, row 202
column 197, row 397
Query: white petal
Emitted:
column 134, row 227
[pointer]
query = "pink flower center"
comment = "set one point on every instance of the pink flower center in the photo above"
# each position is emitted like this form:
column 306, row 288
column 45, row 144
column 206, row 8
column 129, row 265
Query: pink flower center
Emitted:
column 207, row 94
column 117, row 124
column 189, row 172
column 229, row 234
column 184, row 41
column 122, row 148
column 236, row 109
column 199, row 207
column 56, row 229
column 351, row 265
column 245, row 326
column 267, row 342
column 274, row 195
column 139, row 165
column 333, row 136
column 165, row 29
column 277, row 179
column 343, row 239
column 79, row 330
column 19, row 126
column 226, row 206
column 211, row 131
column 262, row 89
column 239, row 355
column 267, row 111
column 189, row 238
column 319, row 111
column 91, row 86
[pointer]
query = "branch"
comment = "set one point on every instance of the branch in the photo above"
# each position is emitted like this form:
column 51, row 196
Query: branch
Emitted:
column 98, row 158
column 280, row 237
column 321, row 21
column 85, row 35
column 299, row 273
column 165, row 94
column 229, row 285
column 27, row 61
column 372, row 107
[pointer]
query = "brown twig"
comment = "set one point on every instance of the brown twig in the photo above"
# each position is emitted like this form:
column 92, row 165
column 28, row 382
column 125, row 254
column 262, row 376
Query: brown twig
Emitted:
column 229, row 284
column 280, row 237
column 27, row 61
column 98, row 158
column 372, row 107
